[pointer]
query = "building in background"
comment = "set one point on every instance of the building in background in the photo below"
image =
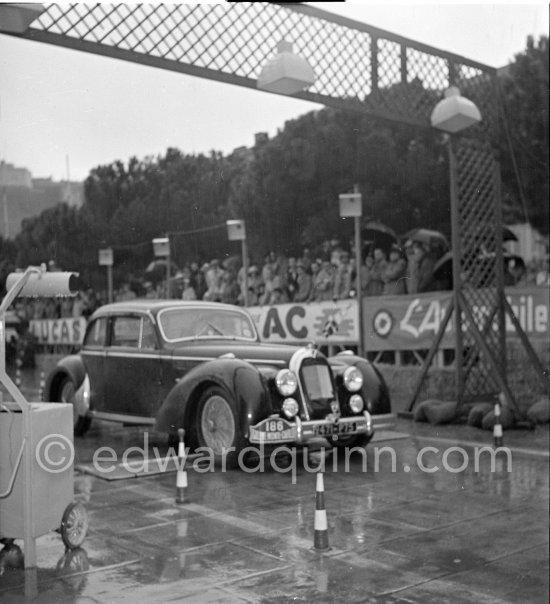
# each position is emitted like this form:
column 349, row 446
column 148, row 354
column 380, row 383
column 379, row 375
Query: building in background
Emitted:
column 22, row 196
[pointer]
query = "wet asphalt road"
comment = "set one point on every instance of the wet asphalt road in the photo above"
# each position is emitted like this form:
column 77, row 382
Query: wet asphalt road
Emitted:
column 401, row 527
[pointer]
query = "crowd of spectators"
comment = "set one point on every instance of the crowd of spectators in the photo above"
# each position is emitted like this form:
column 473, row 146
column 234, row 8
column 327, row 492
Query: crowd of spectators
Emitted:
column 328, row 274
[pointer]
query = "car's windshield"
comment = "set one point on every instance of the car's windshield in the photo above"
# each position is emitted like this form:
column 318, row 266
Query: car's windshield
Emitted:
column 191, row 323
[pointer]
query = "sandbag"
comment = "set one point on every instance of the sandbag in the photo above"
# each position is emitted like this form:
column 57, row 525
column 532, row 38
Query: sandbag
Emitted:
column 539, row 412
column 477, row 413
column 507, row 419
column 419, row 414
column 438, row 412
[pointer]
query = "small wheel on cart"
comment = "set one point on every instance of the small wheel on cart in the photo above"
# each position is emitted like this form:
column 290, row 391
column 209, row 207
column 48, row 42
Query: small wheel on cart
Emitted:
column 74, row 525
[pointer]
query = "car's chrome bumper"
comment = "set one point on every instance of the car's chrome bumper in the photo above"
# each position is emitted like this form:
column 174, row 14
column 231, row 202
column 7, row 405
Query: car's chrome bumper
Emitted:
column 269, row 432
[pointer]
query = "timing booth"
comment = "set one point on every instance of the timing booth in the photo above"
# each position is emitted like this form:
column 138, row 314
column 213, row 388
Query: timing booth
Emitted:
column 36, row 443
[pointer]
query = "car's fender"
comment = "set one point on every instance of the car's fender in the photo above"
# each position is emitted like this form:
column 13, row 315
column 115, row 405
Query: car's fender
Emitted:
column 239, row 378
column 71, row 366
column 374, row 387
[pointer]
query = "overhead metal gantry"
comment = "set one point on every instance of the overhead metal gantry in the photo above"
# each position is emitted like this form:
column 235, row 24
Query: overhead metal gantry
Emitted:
column 357, row 67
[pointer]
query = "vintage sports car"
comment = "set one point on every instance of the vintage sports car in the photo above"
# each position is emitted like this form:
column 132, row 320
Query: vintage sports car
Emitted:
column 201, row 366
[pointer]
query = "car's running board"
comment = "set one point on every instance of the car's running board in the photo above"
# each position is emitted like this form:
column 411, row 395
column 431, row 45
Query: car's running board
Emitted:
column 384, row 420
column 123, row 419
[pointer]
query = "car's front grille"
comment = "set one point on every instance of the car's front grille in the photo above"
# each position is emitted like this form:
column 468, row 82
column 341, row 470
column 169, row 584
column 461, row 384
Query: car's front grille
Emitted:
column 317, row 387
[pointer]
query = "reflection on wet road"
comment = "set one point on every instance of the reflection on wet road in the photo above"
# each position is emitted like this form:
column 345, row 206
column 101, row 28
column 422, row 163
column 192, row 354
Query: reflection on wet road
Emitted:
column 414, row 520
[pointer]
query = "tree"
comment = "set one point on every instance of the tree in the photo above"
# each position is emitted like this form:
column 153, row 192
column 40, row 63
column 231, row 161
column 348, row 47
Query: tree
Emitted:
column 525, row 164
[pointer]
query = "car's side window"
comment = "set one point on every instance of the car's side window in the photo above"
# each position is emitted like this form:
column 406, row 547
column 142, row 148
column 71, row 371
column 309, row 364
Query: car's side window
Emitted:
column 148, row 336
column 96, row 334
column 126, row 331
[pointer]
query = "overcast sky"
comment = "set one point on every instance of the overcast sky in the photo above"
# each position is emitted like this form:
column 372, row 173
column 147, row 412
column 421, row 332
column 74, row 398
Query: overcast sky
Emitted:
column 64, row 112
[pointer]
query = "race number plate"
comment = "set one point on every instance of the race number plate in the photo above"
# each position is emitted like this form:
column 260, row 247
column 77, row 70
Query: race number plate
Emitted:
column 331, row 429
column 272, row 430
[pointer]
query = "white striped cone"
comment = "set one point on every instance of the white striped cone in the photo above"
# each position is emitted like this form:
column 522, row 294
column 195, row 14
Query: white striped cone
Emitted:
column 497, row 428
column 181, row 475
column 41, row 386
column 320, row 537
column 18, row 374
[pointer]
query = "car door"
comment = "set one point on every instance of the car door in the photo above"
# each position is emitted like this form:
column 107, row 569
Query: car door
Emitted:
column 93, row 357
column 132, row 368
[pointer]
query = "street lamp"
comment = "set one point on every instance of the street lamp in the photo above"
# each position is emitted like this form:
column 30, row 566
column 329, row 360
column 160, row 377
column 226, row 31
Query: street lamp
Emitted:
column 351, row 205
column 286, row 72
column 161, row 249
column 453, row 114
column 17, row 18
column 236, row 231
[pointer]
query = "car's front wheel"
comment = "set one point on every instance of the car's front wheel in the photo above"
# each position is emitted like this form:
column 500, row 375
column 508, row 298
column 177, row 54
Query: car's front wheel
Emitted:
column 66, row 394
column 217, row 427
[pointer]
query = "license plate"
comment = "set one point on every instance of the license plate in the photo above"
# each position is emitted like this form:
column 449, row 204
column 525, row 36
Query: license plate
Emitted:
column 331, row 429
column 273, row 430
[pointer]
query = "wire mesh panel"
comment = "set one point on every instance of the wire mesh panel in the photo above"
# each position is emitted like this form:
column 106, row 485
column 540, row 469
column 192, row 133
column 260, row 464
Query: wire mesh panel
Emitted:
column 481, row 260
column 356, row 66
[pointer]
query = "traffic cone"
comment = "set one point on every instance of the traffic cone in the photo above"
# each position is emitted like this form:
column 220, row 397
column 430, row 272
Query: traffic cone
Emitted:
column 320, row 539
column 18, row 363
column 497, row 427
column 41, row 386
column 181, row 476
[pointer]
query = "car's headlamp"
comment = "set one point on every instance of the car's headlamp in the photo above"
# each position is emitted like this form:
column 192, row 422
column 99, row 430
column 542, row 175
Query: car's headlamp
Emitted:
column 290, row 407
column 356, row 403
column 286, row 382
column 353, row 379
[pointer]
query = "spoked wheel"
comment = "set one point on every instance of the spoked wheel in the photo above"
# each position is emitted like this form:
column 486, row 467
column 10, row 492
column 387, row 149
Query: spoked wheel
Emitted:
column 74, row 525
column 217, row 426
column 67, row 392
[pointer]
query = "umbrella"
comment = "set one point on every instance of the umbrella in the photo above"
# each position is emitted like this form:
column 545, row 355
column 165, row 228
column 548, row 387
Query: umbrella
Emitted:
column 158, row 267
column 429, row 237
column 443, row 268
column 508, row 234
column 378, row 234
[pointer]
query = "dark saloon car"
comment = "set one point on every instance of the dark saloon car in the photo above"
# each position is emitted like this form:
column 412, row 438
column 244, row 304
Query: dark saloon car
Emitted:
column 201, row 366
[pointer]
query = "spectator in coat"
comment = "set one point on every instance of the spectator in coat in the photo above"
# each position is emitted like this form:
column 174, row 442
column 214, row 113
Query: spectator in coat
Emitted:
column 377, row 271
column 424, row 269
column 303, row 283
column 395, row 275
column 365, row 276
column 188, row 292
column 230, row 289
column 342, row 278
column 291, row 277
column 323, row 284
column 270, row 282
column 213, row 279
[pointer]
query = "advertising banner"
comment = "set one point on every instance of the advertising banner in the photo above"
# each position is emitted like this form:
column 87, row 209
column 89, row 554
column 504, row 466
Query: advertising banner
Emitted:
column 405, row 322
column 324, row 323
column 69, row 330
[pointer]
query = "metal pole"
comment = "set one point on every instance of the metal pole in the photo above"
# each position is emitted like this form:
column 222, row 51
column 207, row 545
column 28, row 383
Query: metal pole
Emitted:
column 168, row 260
column 110, row 282
column 245, row 269
column 457, row 277
column 359, row 293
